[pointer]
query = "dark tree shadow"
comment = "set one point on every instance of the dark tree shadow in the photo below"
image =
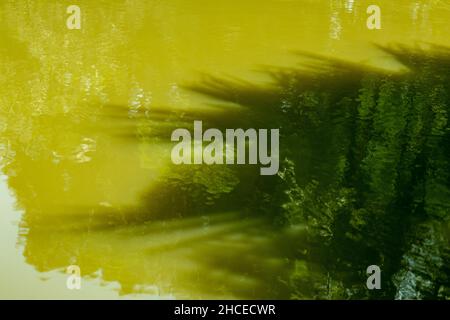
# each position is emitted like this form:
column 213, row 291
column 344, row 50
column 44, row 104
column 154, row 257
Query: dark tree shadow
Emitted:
column 366, row 160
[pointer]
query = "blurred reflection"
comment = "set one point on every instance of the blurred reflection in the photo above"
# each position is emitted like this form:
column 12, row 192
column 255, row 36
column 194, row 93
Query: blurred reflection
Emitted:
column 86, row 116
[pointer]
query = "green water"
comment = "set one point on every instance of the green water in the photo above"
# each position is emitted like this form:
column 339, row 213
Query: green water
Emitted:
column 85, row 123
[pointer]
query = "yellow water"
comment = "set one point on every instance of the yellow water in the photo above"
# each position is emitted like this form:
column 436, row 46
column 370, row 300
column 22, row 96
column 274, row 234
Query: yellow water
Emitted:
column 74, row 104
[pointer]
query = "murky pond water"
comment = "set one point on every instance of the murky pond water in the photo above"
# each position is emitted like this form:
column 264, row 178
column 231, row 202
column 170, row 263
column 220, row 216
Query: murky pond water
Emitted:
column 85, row 122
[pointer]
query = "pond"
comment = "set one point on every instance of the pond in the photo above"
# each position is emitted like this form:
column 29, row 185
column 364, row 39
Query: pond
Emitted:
column 85, row 122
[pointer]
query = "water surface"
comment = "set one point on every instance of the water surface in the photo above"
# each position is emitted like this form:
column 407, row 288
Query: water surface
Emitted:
column 85, row 121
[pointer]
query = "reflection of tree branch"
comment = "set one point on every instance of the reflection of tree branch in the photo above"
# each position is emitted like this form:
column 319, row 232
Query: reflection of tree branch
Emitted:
column 366, row 135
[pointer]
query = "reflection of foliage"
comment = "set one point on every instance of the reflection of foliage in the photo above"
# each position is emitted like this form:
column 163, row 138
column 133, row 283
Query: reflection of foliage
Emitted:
column 215, row 182
column 367, row 169
column 185, row 191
